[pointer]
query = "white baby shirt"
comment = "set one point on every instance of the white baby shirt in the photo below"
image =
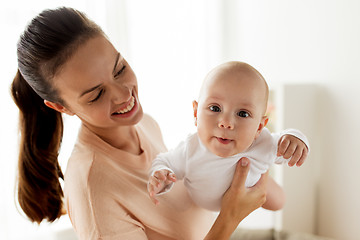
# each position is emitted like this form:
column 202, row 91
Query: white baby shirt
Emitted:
column 208, row 176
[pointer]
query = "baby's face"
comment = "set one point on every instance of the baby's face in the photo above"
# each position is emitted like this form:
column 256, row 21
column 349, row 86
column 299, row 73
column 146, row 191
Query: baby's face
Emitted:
column 230, row 112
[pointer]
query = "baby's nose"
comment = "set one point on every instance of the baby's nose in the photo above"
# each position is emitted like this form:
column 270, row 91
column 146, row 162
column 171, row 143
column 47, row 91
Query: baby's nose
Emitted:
column 227, row 124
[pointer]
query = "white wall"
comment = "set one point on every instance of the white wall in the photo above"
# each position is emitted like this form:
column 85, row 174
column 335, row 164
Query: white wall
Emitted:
column 172, row 45
column 318, row 42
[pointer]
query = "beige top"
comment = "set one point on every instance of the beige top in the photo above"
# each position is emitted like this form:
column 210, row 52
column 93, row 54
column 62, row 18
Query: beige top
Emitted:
column 106, row 195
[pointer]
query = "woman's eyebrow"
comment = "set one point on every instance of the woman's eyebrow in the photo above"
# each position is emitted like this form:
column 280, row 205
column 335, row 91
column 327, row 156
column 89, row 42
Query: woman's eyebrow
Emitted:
column 116, row 62
column 89, row 90
column 97, row 86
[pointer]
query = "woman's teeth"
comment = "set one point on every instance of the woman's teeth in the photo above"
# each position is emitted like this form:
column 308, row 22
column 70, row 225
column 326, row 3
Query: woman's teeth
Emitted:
column 129, row 107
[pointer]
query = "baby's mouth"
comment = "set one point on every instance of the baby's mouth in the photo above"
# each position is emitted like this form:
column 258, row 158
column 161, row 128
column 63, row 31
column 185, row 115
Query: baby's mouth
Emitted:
column 223, row 140
column 128, row 108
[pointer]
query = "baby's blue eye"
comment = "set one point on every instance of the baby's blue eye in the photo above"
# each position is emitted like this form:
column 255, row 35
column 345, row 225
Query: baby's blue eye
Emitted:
column 243, row 114
column 215, row 109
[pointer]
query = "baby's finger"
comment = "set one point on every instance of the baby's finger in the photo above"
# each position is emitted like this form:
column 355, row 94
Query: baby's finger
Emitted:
column 172, row 177
column 160, row 175
column 283, row 146
column 303, row 157
column 290, row 150
column 150, row 188
column 154, row 181
column 152, row 194
column 296, row 156
column 153, row 199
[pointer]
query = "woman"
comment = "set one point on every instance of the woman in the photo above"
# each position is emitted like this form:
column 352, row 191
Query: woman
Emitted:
column 67, row 65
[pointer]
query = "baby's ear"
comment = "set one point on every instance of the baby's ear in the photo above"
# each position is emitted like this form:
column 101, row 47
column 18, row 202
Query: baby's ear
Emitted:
column 262, row 124
column 195, row 107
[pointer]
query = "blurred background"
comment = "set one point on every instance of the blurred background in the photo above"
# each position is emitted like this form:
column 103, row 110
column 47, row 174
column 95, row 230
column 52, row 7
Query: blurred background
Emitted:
column 308, row 51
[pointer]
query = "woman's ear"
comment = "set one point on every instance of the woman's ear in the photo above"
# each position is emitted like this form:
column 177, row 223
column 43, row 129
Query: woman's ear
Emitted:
column 195, row 107
column 262, row 124
column 58, row 107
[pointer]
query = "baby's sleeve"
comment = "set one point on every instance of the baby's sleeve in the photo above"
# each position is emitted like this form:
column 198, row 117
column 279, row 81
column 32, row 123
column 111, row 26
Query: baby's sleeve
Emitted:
column 173, row 160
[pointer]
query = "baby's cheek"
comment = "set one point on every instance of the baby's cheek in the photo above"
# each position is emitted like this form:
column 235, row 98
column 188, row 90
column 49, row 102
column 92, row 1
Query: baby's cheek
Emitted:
column 202, row 132
column 243, row 144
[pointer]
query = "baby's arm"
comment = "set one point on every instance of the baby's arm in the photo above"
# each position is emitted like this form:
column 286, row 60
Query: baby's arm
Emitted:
column 162, row 176
column 275, row 196
column 293, row 144
column 165, row 170
column 158, row 181
column 294, row 148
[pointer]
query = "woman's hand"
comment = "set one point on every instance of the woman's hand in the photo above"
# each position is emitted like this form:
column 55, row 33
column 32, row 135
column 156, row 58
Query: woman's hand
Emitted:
column 238, row 202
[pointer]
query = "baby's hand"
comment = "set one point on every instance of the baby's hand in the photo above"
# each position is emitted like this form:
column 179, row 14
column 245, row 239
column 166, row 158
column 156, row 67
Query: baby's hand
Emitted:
column 292, row 147
column 158, row 181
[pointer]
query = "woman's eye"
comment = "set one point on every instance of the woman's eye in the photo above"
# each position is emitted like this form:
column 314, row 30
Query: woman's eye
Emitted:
column 119, row 72
column 97, row 96
column 215, row 109
column 243, row 114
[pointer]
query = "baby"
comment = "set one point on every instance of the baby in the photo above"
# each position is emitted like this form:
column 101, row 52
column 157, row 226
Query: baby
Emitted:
column 230, row 120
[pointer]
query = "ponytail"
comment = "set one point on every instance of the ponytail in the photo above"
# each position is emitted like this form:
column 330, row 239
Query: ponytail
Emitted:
column 41, row 128
column 44, row 47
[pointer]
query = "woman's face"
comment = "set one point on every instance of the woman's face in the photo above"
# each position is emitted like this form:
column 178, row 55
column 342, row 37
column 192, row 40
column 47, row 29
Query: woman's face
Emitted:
column 99, row 86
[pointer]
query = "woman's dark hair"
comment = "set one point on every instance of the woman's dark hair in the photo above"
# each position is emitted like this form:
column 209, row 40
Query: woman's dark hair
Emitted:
column 46, row 44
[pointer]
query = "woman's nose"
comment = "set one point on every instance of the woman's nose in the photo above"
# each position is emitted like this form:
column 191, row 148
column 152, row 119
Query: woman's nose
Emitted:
column 120, row 94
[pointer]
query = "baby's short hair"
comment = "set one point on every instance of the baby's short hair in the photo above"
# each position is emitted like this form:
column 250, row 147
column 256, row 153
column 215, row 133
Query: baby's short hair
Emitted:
column 241, row 67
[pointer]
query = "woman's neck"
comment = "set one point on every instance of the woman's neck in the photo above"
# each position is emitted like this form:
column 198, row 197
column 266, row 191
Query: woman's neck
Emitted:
column 124, row 138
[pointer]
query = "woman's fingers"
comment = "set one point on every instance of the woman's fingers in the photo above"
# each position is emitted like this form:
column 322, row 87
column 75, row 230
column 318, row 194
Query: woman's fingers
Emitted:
column 239, row 201
column 259, row 189
column 241, row 172
column 262, row 183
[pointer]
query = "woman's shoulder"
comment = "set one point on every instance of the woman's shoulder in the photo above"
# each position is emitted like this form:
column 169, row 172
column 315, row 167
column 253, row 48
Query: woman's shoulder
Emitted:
column 150, row 132
column 149, row 123
column 149, row 126
column 79, row 164
column 87, row 173
column 86, row 179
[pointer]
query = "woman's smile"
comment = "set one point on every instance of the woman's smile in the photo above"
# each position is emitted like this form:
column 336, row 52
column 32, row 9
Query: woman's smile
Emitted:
column 129, row 106
column 128, row 110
